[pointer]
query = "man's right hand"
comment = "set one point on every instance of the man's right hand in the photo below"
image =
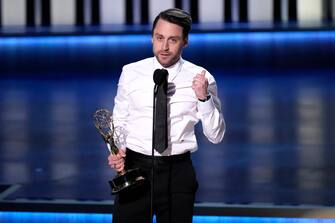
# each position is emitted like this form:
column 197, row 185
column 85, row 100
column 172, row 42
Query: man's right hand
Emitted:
column 116, row 162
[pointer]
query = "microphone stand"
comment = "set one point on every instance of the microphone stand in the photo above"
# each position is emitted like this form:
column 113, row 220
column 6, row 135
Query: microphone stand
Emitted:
column 153, row 152
column 158, row 77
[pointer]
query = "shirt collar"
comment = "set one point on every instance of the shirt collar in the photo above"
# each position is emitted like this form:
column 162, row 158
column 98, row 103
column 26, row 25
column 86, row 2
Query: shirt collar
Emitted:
column 173, row 69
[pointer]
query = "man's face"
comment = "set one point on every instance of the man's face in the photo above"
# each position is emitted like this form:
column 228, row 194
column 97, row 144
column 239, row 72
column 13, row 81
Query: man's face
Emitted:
column 168, row 42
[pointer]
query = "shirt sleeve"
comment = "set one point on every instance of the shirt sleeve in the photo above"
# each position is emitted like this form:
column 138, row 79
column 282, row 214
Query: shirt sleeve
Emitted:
column 211, row 116
column 120, row 111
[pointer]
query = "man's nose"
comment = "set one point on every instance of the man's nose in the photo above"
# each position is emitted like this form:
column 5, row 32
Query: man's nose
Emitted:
column 165, row 45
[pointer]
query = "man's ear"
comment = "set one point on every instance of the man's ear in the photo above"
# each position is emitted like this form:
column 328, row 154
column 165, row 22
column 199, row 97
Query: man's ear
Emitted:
column 186, row 42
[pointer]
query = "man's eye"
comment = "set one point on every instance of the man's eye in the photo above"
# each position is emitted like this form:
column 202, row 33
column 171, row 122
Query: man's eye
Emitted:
column 173, row 40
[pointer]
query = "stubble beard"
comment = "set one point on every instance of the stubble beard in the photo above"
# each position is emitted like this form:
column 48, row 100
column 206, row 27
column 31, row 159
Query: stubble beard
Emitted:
column 169, row 62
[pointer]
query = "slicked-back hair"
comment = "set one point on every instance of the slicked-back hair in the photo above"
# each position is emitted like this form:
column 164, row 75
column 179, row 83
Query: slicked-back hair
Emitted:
column 175, row 16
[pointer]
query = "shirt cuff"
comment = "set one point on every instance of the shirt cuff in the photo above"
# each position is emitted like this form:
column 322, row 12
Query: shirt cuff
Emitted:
column 206, row 107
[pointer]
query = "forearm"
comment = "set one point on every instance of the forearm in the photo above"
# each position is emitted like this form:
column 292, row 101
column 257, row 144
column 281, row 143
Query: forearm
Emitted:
column 212, row 120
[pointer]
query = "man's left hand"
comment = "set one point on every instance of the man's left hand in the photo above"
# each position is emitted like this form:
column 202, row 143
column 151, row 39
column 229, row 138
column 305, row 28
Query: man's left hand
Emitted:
column 200, row 85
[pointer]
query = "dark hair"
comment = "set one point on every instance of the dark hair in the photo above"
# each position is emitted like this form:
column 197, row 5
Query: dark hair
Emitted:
column 175, row 16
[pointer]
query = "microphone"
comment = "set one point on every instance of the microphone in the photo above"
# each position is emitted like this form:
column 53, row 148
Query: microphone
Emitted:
column 160, row 75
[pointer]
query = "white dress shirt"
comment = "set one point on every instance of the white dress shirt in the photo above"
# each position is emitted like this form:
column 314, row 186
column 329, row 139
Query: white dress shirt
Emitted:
column 133, row 108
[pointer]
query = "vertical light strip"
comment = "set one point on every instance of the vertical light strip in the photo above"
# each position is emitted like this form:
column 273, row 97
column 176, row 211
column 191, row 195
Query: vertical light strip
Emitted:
column 38, row 12
column 333, row 9
column 64, row 132
column 63, row 12
column 186, row 5
column 261, row 119
column 136, row 11
column 309, row 11
column 235, row 11
column 112, row 11
column 87, row 12
column 260, row 10
column 284, row 10
column 0, row 13
column 261, row 114
column 13, row 12
column 14, row 120
column 310, row 111
column 310, row 132
column 156, row 6
column 210, row 11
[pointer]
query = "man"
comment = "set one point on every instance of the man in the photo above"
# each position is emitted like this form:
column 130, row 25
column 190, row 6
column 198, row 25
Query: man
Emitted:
column 192, row 97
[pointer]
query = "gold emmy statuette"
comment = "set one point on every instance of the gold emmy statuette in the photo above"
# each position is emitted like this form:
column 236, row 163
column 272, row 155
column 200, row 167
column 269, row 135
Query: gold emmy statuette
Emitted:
column 115, row 137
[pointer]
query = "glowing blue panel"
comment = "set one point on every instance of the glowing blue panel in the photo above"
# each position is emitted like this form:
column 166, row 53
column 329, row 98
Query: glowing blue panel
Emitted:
column 75, row 40
column 32, row 217
column 146, row 39
column 103, row 54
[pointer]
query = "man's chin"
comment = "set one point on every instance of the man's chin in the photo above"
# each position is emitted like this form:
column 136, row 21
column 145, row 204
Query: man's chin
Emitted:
column 166, row 63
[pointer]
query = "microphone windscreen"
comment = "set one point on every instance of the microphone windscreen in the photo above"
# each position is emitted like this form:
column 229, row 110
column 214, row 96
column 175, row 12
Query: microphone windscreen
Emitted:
column 160, row 75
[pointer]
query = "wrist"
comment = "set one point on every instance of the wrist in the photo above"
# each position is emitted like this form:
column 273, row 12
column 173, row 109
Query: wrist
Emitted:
column 205, row 99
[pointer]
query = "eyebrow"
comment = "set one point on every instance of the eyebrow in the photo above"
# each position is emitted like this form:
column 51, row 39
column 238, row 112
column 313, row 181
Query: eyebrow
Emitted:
column 178, row 37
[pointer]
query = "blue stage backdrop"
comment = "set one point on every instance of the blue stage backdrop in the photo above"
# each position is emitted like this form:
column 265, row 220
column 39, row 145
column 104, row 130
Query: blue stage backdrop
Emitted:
column 244, row 53
column 29, row 217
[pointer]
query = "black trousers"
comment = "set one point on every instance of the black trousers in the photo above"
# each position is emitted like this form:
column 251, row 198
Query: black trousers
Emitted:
column 175, row 185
